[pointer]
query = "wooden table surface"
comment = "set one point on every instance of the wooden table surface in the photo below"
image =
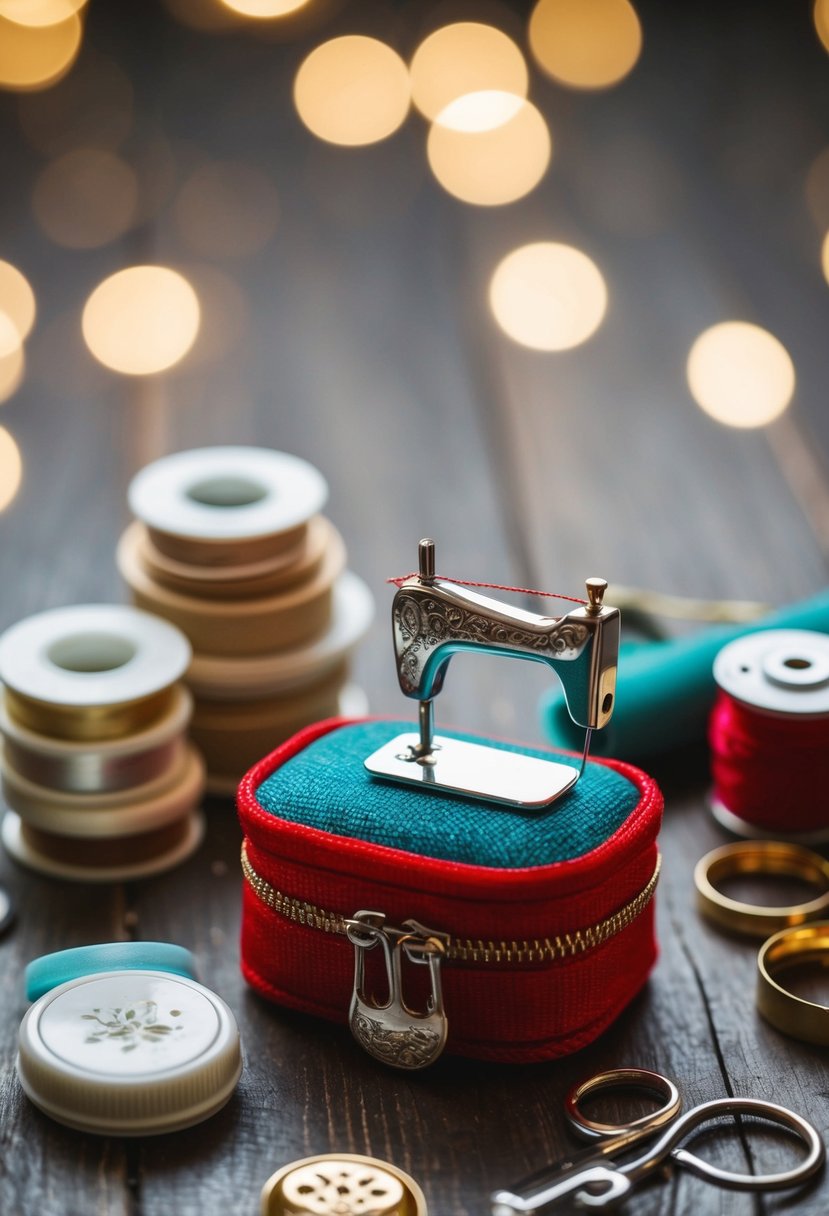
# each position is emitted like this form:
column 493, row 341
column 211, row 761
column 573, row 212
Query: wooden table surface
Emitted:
column 365, row 345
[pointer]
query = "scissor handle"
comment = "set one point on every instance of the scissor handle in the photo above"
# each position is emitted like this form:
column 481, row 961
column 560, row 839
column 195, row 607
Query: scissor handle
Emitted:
column 618, row 1079
column 668, row 1146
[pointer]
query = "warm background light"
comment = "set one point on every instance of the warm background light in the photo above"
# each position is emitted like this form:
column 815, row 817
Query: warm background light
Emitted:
column 740, row 374
column 141, row 320
column 9, row 336
column 12, row 369
column 482, row 111
column 467, row 57
column 821, row 16
column 34, row 57
column 352, row 90
column 548, row 296
column 264, row 9
column 85, row 199
column 17, row 300
column 39, row 12
column 227, row 209
column 11, row 468
column 587, row 44
column 492, row 166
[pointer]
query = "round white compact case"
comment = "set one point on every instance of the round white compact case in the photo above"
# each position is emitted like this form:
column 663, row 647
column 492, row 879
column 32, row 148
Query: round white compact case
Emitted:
column 227, row 493
column 129, row 1053
column 92, row 655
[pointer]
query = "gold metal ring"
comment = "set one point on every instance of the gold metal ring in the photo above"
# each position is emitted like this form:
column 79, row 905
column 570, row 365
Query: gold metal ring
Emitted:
column 617, row 1079
column 764, row 857
column 792, row 1014
column 341, row 1183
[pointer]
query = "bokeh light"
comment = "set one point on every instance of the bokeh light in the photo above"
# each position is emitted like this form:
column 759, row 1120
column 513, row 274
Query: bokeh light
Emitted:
column 12, row 370
column 85, row 199
column 34, row 57
column 548, row 296
column 17, row 300
column 11, row 468
column 89, row 108
column 587, row 44
column 489, row 166
column 466, row 57
column 264, row 9
column 227, row 209
column 39, row 12
column 352, row 90
column 740, row 374
column 821, row 17
column 141, row 320
column 10, row 340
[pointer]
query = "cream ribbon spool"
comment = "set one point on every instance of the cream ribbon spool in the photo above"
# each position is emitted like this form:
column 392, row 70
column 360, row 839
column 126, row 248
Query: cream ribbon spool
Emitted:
column 91, row 671
column 270, row 577
column 131, row 812
column 105, row 766
column 214, row 678
column 242, row 627
column 226, row 505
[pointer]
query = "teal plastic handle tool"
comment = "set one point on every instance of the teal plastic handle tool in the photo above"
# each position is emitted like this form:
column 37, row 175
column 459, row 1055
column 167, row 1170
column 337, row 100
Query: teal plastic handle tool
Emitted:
column 665, row 690
column 47, row 972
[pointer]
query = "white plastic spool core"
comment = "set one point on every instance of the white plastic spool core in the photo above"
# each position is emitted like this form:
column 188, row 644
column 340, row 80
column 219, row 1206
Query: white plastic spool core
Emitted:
column 92, row 655
column 777, row 671
column 227, row 493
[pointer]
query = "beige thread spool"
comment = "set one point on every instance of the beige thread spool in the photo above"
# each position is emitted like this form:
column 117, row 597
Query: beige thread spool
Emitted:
column 227, row 505
column 242, row 627
column 231, row 582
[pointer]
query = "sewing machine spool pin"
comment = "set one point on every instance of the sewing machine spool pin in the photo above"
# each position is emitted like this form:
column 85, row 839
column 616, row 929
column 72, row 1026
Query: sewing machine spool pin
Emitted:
column 434, row 618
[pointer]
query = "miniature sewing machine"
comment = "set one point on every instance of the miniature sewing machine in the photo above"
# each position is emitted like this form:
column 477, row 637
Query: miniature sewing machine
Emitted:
column 434, row 618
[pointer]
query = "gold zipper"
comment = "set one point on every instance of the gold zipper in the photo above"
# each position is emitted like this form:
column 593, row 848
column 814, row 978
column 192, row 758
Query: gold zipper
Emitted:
column 467, row 950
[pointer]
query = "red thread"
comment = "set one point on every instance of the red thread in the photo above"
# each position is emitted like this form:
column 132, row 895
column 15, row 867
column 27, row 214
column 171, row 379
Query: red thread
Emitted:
column 462, row 582
column 770, row 770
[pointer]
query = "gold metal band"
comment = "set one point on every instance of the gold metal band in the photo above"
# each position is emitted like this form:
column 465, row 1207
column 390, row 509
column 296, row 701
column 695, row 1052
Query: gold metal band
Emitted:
column 792, row 1014
column 763, row 857
column 88, row 722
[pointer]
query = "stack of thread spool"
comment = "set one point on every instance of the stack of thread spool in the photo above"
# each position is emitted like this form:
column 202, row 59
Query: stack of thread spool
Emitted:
column 229, row 545
column 769, row 736
column 96, row 769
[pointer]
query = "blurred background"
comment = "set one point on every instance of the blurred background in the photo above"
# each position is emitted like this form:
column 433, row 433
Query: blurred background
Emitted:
column 548, row 281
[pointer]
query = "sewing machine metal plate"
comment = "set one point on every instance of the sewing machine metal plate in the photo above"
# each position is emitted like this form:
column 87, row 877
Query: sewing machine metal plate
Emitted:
column 474, row 771
column 434, row 618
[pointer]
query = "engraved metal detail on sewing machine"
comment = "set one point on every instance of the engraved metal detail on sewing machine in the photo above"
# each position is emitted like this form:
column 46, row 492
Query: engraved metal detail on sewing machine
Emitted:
column 423, row 623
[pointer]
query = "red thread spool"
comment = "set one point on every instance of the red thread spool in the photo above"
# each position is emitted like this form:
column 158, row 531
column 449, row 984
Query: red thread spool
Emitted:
column 769, row 735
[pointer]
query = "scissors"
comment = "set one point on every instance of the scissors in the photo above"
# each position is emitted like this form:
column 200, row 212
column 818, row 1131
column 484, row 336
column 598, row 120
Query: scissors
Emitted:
column 595, row 1177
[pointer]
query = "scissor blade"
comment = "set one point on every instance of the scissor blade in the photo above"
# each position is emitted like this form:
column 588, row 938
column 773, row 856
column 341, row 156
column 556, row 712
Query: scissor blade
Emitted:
column 548, row 1188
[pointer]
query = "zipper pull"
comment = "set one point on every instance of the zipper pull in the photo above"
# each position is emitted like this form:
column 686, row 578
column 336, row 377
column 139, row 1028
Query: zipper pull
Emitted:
column 392, row 1032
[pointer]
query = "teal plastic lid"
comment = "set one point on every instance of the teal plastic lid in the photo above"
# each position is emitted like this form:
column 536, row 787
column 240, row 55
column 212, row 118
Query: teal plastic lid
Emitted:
column 47, row 972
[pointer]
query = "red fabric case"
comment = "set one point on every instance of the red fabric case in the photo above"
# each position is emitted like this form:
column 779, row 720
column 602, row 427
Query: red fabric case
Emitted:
column 519, row 1011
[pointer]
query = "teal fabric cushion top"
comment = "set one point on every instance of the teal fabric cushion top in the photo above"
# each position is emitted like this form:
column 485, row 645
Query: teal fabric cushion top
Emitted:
column 325, row 786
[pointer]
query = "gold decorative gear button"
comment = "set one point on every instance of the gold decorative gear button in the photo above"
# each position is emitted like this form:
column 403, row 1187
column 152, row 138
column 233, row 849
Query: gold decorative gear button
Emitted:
column 341, row 1184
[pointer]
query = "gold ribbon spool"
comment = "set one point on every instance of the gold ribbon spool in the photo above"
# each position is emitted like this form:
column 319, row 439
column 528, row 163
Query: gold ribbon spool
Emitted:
column 760, row 857
column 341, row 1184
column 233, row 581
column 791, row 1014
column 260, row 625
column 87, row 723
